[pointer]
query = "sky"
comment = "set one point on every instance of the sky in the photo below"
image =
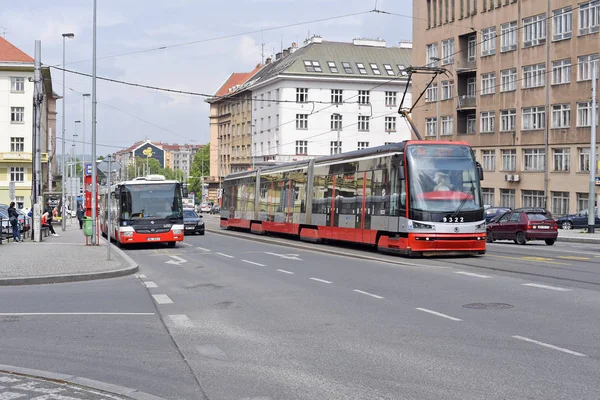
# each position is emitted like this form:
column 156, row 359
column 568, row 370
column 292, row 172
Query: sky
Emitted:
column 127, row 114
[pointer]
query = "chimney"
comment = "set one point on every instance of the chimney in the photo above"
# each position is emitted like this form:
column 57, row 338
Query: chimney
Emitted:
column 293, row 48
column 286, row 52
column 406, row 44
column 278, row 56
column 268, row 60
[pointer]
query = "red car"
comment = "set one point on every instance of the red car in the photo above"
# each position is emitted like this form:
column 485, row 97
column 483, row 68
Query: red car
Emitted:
column 523, row 226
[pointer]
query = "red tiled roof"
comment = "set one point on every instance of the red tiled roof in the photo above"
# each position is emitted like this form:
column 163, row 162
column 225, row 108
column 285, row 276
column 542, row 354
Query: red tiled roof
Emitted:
column 10, row 53
column 236, row 79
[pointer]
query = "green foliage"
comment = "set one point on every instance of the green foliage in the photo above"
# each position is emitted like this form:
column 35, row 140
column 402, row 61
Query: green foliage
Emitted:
column 200, row 168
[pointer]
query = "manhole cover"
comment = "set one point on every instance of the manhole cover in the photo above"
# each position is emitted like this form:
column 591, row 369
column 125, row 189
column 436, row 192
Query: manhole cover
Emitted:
column 488, row 306
column 10, row 318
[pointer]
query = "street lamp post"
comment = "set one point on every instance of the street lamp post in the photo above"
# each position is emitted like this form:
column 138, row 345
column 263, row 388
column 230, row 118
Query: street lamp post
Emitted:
column 63, row 221
column 84, row 95
column 437, row 101
column 74, row 168
column 82, row 166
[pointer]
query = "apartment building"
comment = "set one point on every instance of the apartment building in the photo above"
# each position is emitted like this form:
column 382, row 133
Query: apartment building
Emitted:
column 180, row 156
column 518, row 90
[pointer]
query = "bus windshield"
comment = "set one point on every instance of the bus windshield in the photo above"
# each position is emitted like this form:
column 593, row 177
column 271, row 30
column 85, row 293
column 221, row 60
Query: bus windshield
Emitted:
column 161, row 200
column 443, row 178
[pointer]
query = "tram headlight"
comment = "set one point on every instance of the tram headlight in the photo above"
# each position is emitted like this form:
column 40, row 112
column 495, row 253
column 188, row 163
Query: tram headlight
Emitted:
column 177, row 231
column 419, row 225
column 480, row 227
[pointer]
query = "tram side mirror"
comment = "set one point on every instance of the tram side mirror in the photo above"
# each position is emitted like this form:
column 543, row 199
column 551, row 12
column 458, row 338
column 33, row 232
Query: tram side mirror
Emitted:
column 401, row 172
column 479, row 171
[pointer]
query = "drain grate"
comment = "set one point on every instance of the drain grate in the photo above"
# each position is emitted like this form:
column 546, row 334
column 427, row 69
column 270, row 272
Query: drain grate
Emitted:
column 10, row 318
column 488, row 306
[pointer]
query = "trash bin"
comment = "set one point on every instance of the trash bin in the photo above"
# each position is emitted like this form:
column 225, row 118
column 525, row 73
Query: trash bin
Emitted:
column 87, row 226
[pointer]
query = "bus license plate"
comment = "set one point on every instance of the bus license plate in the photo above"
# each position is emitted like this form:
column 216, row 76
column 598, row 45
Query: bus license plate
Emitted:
column 153, row 239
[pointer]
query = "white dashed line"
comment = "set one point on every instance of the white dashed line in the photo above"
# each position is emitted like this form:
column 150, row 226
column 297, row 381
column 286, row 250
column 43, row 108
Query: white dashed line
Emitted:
column 225, row 255
column 181, row 320
column 540, row 286
column 438, row 314
column 150, row 284
column 319, row 280
column 550, row 346
column 71, row 313
column 187, row 244
column 285, row 272
column 368, row 294
column 254, row 263
column 472, row 274
column 203, row 249
column 162, row 299
column 141, row 276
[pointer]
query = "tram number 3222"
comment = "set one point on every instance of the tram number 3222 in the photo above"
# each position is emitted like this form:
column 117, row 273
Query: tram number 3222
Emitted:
column 455, row 219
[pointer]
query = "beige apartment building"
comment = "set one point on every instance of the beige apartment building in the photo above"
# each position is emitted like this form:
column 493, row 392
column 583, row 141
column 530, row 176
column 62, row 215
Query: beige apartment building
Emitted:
column 518, row 89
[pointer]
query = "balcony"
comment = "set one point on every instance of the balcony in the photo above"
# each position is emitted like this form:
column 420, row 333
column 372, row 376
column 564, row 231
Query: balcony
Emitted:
column 465, row 65
column 15, row 156
column 466, row 102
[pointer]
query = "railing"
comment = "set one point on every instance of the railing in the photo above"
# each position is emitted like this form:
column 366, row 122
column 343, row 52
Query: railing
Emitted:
column 466, row 101
column 465, row 65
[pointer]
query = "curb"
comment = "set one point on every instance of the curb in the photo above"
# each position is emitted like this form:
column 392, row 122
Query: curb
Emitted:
column 591, row 240
column 79, row 382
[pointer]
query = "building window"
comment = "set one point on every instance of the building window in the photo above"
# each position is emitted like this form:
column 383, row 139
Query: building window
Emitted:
column 336, row 96
column 534, row 30
column 508, row 40
column 301, row 121
column 336, row 122
column 561, row 71
column 262, row 102
column 301, row 95
column 268, row 101
column 389, row 69
column 363, row 123
column 312, row 66
column 431, row 126
column 255, row 103
column 487, row 195
column 508, row 80
column 332, row 67
column 471, row 87
column 17, row 114
column 335, row 148
column 487, row 122
column 488, row 42
column 561, row 116
column 390, row 124
column 17, row 174
column 584, row 114
column 301, row 147
column 582, row 201
column 347, row 67
column 533, row 118
column 17, row 84
column 507, row 198
column 447, row 51
column 375, row 69
column 585, row 67
column 488, row 160
column 472, row 48
column 589, row 17
column 508, row 120
column 447, row 89
column 17, row 144
column 534, row 76
column 562, row 23
column 562, row 160
column 361, row 68
column 447, row 125
column 471, row 123
column 533, row 198
column 390, row 99
column 432, row 55
column 363, row 97
column 488, row 83
column 432, row 93
column 509, row 160
column 533, row 159
column 363, row 145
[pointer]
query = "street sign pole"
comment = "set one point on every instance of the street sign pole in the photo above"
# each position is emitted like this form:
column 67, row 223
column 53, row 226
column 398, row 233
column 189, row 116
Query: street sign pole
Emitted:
column 592, row 192
column 108, row 207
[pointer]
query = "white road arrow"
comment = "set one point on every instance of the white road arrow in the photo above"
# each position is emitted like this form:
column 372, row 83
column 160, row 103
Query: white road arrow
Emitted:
column 286, row 256
column 176, row 261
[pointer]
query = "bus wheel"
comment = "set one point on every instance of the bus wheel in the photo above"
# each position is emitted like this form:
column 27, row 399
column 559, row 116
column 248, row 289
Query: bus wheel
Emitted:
column 172, row 244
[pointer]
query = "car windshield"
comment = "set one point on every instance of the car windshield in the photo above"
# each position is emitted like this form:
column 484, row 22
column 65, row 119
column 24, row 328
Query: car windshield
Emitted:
column 538, row 217
column 189, row 214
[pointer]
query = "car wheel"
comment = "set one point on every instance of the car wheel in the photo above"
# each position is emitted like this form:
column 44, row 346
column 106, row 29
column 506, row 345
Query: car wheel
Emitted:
column 567, row 225
column 202, row 232
column 490, row 237
column 550, row 242
column 520, row 238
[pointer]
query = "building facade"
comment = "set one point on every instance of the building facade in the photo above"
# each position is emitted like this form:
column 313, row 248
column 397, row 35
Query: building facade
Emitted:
column 16, row 125
column 180, row 156
column 518, row 89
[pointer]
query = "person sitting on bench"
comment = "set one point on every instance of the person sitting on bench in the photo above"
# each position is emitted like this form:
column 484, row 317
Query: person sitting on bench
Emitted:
column 47, row 223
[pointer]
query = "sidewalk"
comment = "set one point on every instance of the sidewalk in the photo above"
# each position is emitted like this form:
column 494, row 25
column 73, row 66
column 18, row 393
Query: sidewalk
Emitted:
column 579, row 236
column 63, row 258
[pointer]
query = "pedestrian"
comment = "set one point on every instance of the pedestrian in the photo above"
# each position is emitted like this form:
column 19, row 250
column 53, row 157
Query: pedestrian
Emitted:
column 47, row 222
column 80, row 213
column 14, row 221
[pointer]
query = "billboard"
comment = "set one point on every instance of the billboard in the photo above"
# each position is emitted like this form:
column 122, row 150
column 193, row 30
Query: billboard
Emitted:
column 148, row 150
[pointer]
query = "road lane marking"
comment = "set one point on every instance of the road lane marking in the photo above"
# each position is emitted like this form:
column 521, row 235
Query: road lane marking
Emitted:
column 225, row 255
column 574, row 258
column 368, row 294
column 162, row 299
column 285, row 256
column 438, row 314
column 550, row 346
column 141, row 276
column 176, row 260
column 203, row 249
column 539, row 285
column 285, row 272
column 150, row 284
column 181, row 320
column 187, row 244
column 70, row 313
column 534, row 259
column 320, row 280
column 254, row 263
column 472, row 274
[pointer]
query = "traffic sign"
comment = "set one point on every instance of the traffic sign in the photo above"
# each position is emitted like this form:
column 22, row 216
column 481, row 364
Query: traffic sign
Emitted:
column 88, row 169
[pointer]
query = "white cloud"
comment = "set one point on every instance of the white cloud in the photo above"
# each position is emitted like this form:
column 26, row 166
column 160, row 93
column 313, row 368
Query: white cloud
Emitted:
column 248, row 51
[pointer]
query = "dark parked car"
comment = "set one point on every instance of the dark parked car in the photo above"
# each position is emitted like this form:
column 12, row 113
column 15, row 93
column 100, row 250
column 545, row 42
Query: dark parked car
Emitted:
column 492, row 212
column 193, row 222
column 523, row 226
column 579, row 220
column 215, row 209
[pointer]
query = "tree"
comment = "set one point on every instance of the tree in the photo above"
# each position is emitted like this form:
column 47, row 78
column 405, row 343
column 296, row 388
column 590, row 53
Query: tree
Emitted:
column 200, row 168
